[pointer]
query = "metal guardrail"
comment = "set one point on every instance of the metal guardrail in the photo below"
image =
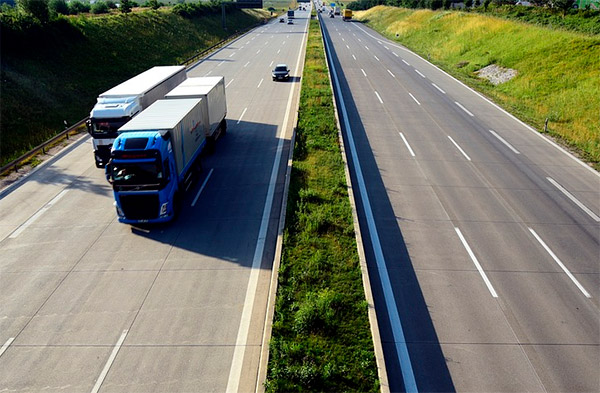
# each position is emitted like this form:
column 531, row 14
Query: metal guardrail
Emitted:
column 41, row 148
column 14, row 165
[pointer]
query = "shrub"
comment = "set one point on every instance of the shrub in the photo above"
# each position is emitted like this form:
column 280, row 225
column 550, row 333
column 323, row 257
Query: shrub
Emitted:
column 37, row 8
column 100, row 7
column 77, row 7
column 59, row 7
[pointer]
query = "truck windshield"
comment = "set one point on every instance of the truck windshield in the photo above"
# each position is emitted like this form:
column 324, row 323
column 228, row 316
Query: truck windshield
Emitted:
column 106, row 127
column 137, row 174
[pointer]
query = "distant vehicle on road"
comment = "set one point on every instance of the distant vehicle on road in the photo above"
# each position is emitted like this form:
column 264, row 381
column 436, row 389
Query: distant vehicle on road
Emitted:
column 347, row 15
column 290, row 14
column 281, row 20
column 281, row 71
column 290, row 22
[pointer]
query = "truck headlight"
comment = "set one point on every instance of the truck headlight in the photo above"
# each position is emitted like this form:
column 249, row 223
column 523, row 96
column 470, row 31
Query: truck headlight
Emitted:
column 119, row 211
column 163, row 209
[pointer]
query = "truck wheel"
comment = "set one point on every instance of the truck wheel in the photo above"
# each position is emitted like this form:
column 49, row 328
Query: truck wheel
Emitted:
column 176, row 204
column 210, row 145
column 223, row 127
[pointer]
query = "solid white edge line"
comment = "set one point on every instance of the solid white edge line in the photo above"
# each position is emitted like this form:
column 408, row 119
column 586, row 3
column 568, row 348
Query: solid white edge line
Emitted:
column 243, row 113
column 574, row 200
column 459, row 148
column 260, row 83
column 390, row 72
column 410, row 150
column 476, row 262
column 527, row 126
column 235, row 372
column 37, row 215
column 419, row 72
column 227, row 85
column 408, row 376
column 6, row 345
column 437, row 87
column 109, row 362
column 202, row 187
column 413, row 97
column 505, row 142
column 378, row 97
column 563, row 267
column 464, row 109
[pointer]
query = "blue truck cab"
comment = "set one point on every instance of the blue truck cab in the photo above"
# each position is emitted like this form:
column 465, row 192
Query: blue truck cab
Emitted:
column 154, row 158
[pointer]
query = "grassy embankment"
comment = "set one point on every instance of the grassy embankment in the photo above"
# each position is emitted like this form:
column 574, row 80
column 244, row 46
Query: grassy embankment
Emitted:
column 55, row 72
column 321, row 339
column 558, row 71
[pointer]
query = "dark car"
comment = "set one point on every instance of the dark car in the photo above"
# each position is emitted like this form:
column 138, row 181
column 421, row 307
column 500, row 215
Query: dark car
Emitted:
column 281, row 20
column 280, row 71
column 290, row 22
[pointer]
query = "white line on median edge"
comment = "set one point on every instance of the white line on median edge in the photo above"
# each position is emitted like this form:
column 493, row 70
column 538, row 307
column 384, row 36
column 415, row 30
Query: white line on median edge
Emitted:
column 202, row 188
column 459, row 148
column 574, row 200
column 410, row 150
column 476, row 262
column 109, row 362
column 563, row 267
column 37, row 215
column 235, row 372
column 6, row 345
column 408, row 376
column 505, row 142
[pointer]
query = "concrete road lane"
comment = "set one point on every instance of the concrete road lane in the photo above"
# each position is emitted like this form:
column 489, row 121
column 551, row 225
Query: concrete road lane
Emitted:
column 89, row 304
column 493, row 266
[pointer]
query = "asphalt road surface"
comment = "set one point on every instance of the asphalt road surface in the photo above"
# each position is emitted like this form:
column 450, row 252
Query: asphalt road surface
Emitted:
column 89, row 304
column 482, row 237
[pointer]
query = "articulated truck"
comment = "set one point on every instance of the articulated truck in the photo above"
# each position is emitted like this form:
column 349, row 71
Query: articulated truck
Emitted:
column 212, row 91
column 154, row 158
column 120, row 104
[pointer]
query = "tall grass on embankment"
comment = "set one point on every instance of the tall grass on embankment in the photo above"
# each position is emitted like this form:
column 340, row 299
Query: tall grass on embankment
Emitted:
column 321, row 340
column 54, row 72
column 558, row 71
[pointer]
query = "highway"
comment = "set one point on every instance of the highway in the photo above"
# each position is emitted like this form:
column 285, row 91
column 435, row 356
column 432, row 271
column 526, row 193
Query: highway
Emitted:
column 482, row 237
column 88, row 304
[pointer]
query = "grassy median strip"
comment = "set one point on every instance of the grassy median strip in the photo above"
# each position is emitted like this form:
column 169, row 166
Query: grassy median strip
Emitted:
column 321, row 340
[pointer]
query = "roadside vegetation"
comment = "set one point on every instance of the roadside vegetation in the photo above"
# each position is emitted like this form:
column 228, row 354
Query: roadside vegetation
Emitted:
column 53, row 69
column 557, row 71
column 321, row 340
column 560, row 14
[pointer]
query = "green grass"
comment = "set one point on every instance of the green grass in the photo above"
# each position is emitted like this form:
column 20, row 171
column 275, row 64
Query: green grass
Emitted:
column 55, row 72
column 321, row 339
column 558, row 71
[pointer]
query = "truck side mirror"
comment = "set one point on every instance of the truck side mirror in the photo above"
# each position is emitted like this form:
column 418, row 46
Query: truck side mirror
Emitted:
column 108, row 173
column 88, row 124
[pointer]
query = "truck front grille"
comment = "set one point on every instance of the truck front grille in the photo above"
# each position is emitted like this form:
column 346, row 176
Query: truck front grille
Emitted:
column 140, row 207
